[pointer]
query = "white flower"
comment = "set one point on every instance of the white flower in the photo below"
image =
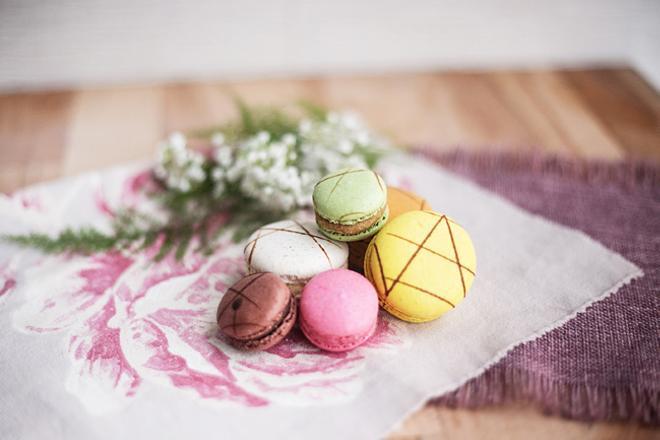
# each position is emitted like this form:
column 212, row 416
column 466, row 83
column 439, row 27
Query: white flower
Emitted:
column 223, row 155
column 278, row 173
column 305, row 126
column 289, row 139
column 336, row 142
column 345, row 146
column 178, row 141
column 218, row 139
column 178, row 167
column 263, row 137
column 218, row 174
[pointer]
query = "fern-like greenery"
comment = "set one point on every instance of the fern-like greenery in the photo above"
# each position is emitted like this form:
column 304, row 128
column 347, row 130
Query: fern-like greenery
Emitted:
column 192, row 216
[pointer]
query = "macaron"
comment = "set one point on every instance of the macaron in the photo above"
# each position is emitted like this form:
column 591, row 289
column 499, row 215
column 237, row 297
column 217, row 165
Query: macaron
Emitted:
column 356, row 251
column 257, row 312
column 338, row 310
column 422, row 265
column 351, row 204
column 294, row 250
column 398, row 202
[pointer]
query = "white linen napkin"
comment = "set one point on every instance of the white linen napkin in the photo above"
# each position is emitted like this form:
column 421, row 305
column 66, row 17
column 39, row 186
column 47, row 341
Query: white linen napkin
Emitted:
column 115, row 346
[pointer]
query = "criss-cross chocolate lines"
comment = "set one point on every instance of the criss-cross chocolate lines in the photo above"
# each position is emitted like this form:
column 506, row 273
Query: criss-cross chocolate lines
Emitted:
column 235, row 304
column 453, row 245
column 428, row 292
column 380, row 185
column 313, row 237
column 305, row 232
column 382, row 272
column 412, row 257
column 419, row 247
column 432, row 251
column 341, row 176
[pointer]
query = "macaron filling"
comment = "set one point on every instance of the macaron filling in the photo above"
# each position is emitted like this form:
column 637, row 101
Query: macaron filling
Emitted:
column 336, row 234
column 272, row 335
column 352, row 227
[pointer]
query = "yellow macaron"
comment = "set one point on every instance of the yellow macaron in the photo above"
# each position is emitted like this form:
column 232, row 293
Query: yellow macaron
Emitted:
column 422, row 264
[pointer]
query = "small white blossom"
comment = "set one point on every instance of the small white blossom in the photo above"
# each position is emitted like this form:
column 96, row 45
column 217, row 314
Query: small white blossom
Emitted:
column 278, row 173
column 263, row 137
column 218, row 139
column 336, row 142
column 223, row 155
column 289, row 139
column 178, row 167
column 178, row 141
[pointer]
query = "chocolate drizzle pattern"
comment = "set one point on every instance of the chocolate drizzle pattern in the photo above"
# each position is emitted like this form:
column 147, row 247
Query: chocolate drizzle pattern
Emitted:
column 373, row 249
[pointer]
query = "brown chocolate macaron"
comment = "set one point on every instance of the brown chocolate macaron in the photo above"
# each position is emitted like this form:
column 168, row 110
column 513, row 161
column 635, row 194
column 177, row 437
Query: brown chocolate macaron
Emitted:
column 356, row 252
column 257, row 312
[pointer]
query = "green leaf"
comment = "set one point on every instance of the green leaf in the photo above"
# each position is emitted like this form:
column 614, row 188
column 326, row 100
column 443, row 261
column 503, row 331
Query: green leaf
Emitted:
column 188, row 214
column 313, row 110
column 166, row 247
column 247, row 119
column 184, row 241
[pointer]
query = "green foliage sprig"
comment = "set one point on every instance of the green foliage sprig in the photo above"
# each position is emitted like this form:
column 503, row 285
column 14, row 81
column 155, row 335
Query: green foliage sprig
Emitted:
column 195, row 189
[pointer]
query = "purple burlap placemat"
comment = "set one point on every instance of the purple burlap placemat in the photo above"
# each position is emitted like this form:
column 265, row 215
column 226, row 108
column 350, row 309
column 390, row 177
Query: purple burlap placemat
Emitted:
column 605, row 363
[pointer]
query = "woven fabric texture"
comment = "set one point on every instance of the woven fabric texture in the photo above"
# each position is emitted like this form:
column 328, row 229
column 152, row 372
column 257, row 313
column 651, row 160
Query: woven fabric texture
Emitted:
column 605, row 363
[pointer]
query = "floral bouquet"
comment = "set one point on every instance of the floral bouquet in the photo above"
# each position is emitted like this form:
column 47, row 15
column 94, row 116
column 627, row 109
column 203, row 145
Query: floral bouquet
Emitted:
column 261, row 168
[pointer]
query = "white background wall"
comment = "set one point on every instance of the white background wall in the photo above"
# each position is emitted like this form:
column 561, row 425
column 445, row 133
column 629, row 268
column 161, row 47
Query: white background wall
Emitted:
column 54, row 43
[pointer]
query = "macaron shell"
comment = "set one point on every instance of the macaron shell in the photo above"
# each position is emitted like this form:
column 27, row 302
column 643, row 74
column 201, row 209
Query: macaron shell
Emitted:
column 254, row 306
column 401, row 201
column 349, row 195
column 422, row 264
column 335, row 343
column 296, row 251
column 275, row 337
column 338, row 310
column 360, row 236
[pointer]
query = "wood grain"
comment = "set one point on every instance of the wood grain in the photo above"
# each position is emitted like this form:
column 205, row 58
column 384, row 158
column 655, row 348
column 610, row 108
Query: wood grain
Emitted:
column 511, row 423
column 601, row 113
column 605, row 114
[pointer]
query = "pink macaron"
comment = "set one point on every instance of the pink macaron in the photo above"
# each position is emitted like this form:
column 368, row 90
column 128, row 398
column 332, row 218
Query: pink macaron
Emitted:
column 338, row 310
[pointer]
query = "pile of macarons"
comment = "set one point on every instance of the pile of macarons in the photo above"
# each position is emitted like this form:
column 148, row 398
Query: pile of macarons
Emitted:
column 370, row 245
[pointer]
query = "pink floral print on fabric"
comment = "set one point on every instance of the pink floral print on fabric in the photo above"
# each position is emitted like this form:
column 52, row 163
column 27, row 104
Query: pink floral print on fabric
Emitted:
column 130, row 321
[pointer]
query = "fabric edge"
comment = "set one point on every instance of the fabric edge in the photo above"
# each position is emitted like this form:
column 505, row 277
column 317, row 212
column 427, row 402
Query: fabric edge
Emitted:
column 628, row 173
column 637, row 272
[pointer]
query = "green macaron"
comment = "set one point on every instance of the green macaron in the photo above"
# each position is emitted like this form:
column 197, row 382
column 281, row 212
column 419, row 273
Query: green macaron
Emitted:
column 350, row 204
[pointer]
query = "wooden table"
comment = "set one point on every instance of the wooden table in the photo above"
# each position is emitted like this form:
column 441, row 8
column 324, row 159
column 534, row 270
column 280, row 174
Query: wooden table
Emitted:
column 607, row 114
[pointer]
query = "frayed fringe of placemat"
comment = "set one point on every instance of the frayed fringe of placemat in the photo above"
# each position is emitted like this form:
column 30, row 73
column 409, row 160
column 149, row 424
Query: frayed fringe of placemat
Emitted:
column 500, row 385
column 505, row 385
column 632, row 174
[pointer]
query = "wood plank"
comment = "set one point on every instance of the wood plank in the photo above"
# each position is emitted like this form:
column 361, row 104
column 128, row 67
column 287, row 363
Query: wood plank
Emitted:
column 32, row 137
column 585, row 134
column 633, row 120
column 512, row 423
column 193, row 106
column 112, row 126
column 545, row 135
